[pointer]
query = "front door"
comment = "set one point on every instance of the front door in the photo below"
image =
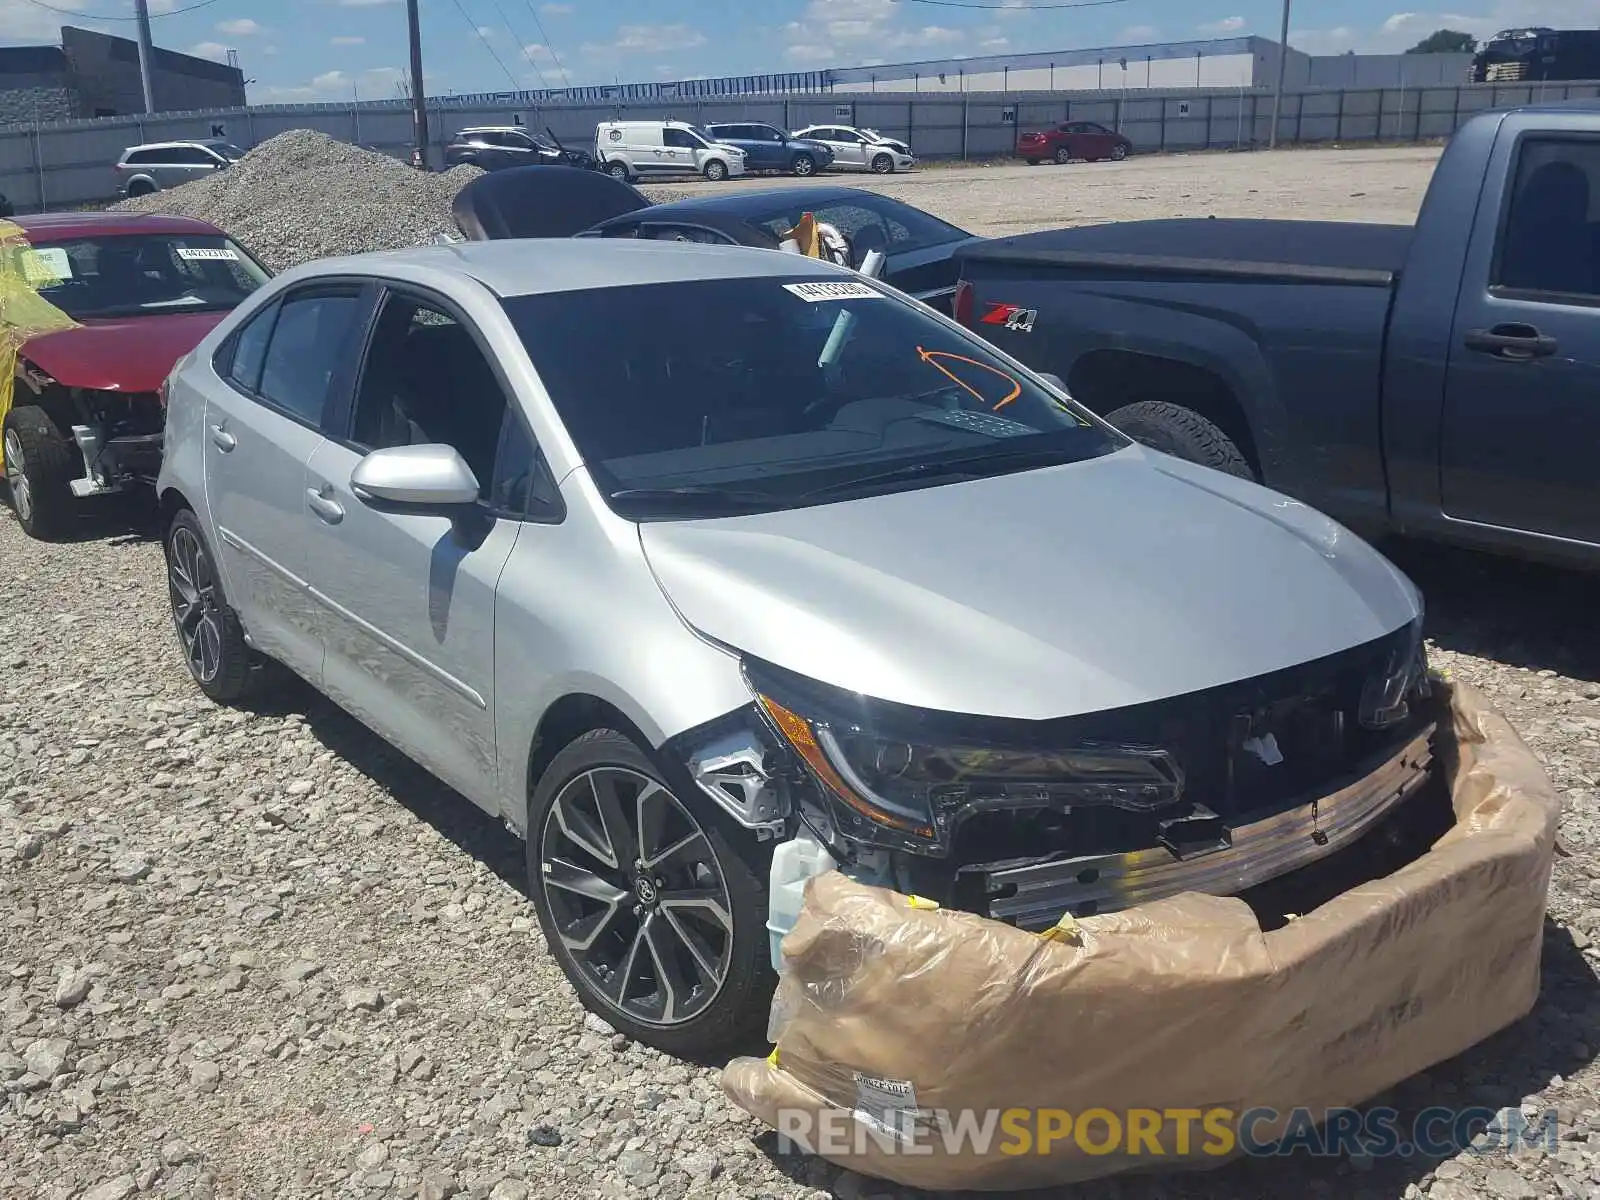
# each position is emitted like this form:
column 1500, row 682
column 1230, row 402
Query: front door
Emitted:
column 408, row 597
column 1522, row 404
column 262, row 427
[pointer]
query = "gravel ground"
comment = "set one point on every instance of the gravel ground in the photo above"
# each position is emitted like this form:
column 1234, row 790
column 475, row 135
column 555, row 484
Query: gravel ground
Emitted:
column 261, row 955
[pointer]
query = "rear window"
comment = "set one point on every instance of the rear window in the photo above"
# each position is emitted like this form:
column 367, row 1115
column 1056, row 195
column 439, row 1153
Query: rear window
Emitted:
column 130, row 275
column 773, row 387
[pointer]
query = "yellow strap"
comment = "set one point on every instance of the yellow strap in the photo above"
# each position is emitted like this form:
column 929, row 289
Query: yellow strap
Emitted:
column 1064, row 930
column 772, row 1059
column 922, row 902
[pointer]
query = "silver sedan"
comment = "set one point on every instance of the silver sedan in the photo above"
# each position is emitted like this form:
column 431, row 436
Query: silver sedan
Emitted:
column 704, row 567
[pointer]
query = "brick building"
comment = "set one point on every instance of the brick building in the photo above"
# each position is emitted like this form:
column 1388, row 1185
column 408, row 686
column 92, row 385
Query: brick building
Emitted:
column 96, row 75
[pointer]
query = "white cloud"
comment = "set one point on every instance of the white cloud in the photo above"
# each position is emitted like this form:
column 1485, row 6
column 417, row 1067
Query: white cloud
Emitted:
column 536, row 50
column 1012, row 8
column 242, row 27
column 483, row 31
column 1225, row 25
column 555, row 10
column 994, row 43
column 841, row 30
column 24, row 22
column 648, row 39
column 808, row 52
column 365, row 3
column 1138, row 33
column 347, row 41
column 213, row 50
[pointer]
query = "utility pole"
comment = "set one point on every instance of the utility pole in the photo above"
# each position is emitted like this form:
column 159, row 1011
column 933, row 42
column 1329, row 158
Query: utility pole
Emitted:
column 141, row 13
column 419, row 101
column 1283, row 65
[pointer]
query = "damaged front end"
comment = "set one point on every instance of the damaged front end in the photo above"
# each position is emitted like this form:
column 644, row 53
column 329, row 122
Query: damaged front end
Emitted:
column 1219, row 791
column 118, row 434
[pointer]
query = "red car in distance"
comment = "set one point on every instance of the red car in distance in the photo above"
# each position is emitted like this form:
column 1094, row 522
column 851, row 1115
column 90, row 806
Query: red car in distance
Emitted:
column 1073, row 140
column 86, row 416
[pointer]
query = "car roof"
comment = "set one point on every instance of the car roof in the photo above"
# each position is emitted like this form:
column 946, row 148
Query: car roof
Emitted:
column 535, row 266
column 750, row 203
column 492, row 129
column 180, row 142
column 112, row 224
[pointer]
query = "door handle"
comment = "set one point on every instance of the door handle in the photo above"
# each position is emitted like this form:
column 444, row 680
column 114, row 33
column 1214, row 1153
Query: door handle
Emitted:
column 222, row 439
column 1512, row 341
column 326, row 508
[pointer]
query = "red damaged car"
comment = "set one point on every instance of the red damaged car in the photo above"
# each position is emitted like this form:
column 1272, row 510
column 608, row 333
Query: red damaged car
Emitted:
column 86, row 416
column 1073, row 140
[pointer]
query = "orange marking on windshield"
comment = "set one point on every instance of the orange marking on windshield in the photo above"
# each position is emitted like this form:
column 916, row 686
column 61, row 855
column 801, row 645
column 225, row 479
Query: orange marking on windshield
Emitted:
column 928, row 357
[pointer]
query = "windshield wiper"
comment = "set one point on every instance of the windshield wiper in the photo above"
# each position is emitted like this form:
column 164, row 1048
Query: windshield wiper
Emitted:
column 699, row 496
column 971, row 466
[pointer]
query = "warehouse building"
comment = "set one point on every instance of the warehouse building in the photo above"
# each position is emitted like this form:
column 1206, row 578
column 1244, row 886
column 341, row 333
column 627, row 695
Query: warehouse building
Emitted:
column 96, row 75
column 1248, row 62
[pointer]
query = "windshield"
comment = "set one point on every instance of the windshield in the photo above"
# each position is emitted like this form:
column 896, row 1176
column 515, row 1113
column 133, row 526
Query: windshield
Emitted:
column 130, row 275
column 713, row 396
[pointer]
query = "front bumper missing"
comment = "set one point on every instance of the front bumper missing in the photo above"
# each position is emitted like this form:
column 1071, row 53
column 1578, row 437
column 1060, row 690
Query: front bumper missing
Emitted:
column 1034, row 895
column 110, row 464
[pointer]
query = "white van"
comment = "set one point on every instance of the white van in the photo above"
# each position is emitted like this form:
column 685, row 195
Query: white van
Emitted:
column 630, row 150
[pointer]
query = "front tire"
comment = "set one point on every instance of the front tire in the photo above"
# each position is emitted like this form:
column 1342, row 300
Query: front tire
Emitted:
column 882, row 164
column 653, row 906
column 219, row 660
column 1118, row 153
column 803, row 166
column 716, row 170
column 1182, row 433
column 619, row 170
column 40, row 465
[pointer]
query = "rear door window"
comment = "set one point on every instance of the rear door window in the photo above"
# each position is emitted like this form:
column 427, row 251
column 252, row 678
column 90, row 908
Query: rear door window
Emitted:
column 308, row 343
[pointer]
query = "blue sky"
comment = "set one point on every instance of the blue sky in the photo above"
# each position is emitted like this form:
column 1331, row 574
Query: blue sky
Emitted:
column 309, row 50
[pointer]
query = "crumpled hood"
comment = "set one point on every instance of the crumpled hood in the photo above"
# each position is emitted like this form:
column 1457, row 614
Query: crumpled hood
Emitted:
column 1047, row 593
column 123, row 354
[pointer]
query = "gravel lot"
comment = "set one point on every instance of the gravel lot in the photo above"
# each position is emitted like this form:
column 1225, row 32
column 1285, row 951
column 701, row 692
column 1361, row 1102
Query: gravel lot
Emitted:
column 259, row 954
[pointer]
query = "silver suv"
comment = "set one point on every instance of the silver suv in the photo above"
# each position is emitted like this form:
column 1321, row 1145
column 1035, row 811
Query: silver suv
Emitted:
column 707, row 568
column 157, row 165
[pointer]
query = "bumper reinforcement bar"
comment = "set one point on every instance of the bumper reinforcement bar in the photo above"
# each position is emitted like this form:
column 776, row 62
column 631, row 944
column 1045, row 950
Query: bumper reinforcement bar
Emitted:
column 1035, row 895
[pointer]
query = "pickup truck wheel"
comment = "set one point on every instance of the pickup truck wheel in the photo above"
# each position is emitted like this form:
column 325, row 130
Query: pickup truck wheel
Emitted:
column 653, row 907
column 1063, row 156
column 1182, row 433
column 40, row 464
column 803, row 165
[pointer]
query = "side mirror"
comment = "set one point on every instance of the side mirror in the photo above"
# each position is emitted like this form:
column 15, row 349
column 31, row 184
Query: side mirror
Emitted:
column 426, row 477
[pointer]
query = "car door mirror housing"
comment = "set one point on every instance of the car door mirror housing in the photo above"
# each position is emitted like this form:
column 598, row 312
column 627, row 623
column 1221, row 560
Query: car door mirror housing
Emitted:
column 427, row 477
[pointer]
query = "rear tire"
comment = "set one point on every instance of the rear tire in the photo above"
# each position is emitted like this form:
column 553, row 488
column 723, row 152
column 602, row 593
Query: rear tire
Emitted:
column 882, row 164
column 219, row 660
column 716, row 170
column 619, row 170
column 1033, row 162
column 1063, row 156
column 140, row 187
column 711, row 864
column 803, row 166
column 40, row 466
column 1182, row 433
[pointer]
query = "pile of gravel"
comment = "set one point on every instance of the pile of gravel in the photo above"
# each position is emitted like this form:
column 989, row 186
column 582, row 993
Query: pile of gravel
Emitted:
column 304, row 195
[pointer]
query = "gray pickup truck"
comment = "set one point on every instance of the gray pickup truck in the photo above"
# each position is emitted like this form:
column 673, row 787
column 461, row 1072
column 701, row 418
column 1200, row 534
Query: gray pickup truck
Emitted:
column 1439, row 380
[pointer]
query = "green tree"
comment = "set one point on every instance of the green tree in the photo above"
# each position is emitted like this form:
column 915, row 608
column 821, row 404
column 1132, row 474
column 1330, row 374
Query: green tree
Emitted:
column 1445, row 41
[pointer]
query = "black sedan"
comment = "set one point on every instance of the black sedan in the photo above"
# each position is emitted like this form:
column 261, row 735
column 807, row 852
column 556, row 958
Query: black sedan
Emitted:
column 919, row 249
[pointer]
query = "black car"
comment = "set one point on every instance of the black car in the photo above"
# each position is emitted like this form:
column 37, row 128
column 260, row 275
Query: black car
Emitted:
column 919, row 248
column 497, row 147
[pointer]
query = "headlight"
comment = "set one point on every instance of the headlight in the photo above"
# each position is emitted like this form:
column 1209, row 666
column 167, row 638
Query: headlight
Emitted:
column 1386, row 698
column 891, row 788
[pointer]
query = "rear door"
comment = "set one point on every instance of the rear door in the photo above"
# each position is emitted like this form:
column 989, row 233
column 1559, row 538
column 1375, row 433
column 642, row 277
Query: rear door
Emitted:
column 264, row 411
column 1522, row 403
column 408, row 598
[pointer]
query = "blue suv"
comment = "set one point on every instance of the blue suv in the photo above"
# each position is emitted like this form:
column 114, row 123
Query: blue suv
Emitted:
column 768, row 148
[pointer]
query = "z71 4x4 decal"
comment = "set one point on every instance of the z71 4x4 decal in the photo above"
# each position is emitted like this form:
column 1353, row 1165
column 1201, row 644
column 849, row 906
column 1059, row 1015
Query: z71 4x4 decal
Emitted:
column 1012, row 316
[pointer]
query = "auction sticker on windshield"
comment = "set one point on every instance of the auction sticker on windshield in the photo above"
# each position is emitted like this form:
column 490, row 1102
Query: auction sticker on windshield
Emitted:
column 206, row 254
column 833, row 291
column 47, row 265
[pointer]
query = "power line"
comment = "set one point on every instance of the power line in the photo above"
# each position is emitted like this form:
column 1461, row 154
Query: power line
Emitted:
column 521, row 45
column 479, row 33
column 565, row 78
column 1030, row 7
column 81, row 15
